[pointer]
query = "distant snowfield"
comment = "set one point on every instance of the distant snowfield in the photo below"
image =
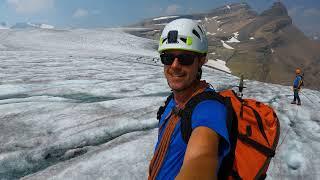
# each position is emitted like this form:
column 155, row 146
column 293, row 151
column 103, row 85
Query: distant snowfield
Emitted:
column 220, row 64
column 26, row 25
column 78, row 41
column 46, row 26
column 81, row 104
column 164, row 17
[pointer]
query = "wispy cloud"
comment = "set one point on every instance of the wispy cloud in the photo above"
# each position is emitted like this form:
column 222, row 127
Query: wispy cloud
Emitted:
column 295, row 10
column 79, row 13
column 172, row 9
column 30, row 6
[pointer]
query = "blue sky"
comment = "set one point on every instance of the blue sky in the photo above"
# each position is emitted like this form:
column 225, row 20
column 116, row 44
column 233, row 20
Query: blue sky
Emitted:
column 113, row 13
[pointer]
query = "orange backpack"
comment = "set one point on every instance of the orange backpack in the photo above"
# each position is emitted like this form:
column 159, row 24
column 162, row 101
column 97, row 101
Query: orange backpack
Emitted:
column 254, row 131
column 257, row 136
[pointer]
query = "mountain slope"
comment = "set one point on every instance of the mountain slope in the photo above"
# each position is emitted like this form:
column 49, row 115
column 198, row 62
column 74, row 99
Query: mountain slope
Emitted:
column 265, row 47
column 277, row 49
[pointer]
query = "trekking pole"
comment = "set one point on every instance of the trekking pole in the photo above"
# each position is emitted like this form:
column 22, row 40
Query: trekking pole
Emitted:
column 241, row 85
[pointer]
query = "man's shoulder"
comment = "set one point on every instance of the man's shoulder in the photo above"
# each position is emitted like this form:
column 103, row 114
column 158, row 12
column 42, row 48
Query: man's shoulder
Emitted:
column 210, row 106
column 214, row 100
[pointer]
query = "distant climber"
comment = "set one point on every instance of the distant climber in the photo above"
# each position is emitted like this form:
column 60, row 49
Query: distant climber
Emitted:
column 297, row 83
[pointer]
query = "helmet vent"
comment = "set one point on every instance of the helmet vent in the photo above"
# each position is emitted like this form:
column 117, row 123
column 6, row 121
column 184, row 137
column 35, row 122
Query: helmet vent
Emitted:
column 184, row 40
column 200, row 29
column 164, row 40
column 196, row 33
column 173, row 37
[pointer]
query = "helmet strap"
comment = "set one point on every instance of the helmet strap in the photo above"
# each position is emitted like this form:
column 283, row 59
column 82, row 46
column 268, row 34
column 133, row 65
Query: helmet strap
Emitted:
column 199, row 73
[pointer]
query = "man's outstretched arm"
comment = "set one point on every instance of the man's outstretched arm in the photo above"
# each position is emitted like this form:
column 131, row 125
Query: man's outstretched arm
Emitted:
column 201, row 158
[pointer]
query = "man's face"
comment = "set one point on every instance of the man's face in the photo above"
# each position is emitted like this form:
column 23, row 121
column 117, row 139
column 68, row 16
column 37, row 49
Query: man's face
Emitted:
column 180, row 77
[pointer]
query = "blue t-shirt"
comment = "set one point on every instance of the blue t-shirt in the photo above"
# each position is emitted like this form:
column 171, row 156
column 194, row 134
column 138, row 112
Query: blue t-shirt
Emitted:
column 208, row 113
column 296, row 81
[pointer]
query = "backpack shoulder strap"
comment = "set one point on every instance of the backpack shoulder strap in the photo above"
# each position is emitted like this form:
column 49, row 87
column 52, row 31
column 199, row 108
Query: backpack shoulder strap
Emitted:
column 186, row 114
column 300, row 82
column 163, row 108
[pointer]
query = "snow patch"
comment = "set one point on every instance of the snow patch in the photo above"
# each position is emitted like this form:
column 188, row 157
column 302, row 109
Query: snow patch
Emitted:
column 31, row 25
column 210, row 19
column 219, row 64
column 209, row 33
column 233, row 40
column 46, row 26
column 162, row 24
column 226, row 45
column 164, row 17
column 236, row 34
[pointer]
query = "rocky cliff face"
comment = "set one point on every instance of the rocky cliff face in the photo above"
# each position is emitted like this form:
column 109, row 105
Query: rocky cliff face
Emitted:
column 265, row 47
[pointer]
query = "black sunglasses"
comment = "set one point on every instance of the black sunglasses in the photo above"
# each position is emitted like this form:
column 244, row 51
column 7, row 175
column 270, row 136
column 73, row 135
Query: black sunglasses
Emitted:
column 183, row 59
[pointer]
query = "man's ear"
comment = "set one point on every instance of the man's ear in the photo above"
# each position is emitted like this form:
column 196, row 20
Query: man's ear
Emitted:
column 203, row 60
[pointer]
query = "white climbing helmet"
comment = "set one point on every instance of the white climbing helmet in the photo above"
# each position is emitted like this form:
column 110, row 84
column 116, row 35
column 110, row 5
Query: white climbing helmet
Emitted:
column 184, row 34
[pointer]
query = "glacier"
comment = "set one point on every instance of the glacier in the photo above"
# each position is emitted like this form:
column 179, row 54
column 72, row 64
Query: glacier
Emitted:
column 82, row 103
